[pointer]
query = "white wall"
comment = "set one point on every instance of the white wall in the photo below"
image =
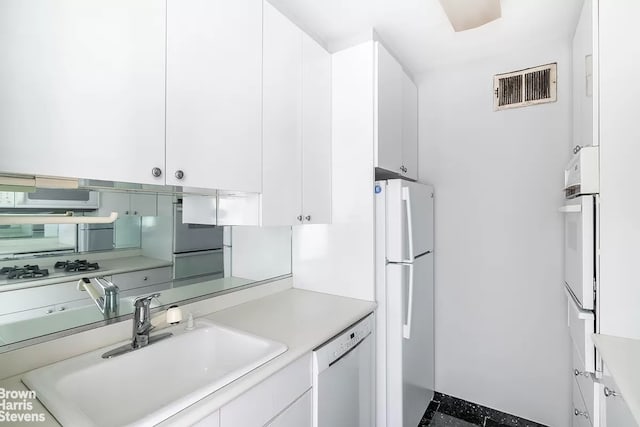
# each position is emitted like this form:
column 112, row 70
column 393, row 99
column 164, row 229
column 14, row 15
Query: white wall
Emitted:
column 500, row 315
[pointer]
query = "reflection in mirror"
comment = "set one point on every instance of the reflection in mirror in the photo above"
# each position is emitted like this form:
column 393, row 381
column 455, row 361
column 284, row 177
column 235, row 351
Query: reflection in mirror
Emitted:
column 148, row 249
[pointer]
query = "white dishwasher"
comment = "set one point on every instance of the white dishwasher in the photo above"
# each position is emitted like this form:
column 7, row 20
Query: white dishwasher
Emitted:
column 343, row 378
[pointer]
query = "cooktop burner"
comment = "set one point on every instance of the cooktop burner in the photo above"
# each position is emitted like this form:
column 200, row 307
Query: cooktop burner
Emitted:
column 24, row 272
column 77, row 265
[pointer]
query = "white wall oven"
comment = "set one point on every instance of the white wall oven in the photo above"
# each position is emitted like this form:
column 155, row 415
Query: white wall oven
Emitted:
column 581, row 233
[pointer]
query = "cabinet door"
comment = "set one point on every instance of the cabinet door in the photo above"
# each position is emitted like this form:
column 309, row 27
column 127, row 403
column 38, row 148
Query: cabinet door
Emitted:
column 388, row 140
column 296, row 415
column 615, row 412
column 316, row 132
column 143, row 204
column 114, row 202
column 409, row 128
column 214, row 78
column 282, row 130
column 82, row 88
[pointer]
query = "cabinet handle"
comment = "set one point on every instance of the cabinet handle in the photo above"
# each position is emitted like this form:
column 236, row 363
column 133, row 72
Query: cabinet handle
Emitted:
column 578, row 373
column 135, row 212
column 126, row 212
column 578, row 413
column 609, row 392
column 62, row 309
column 299, row 218
column 49, row 311
column 145, row 278
column 156, row 172
column 179, row 174
column 308, row 217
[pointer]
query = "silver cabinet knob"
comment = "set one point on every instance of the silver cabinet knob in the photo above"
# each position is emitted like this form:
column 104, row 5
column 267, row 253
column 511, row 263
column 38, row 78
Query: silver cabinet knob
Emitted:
column 49, row 311
column 145, row 278
column 578, row 413
column 156, row 172
column 609, row 392
column 579, row 373
column 62, row 309
column 126, row 212
column 308, row 217
column 135, row 212
column 299, row 218
column 179, row 174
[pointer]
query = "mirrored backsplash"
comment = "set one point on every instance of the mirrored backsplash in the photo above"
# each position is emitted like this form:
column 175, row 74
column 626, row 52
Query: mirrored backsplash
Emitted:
column 147, row 249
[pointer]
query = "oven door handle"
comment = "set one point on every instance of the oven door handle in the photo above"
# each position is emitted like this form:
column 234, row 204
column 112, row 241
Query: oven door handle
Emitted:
column 571, row 209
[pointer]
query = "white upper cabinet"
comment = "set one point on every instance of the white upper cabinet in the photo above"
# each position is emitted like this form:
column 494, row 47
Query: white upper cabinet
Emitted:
column 409, row 128
column 316, row 132
column 214, row 96
column 388, row 103
column 396, row 117
column 282, row 119
column 82, row 88
column 296, row 125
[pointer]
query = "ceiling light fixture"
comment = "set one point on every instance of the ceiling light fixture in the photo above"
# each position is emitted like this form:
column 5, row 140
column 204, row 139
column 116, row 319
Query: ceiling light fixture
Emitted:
column 468, row 14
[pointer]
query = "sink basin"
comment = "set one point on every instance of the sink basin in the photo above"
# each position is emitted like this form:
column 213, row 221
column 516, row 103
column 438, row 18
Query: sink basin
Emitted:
column 147, row 386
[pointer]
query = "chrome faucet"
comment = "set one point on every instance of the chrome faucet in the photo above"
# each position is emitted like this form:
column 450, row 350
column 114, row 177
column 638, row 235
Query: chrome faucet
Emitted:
column 142, row 320
column 108, row 302
column 141, row 328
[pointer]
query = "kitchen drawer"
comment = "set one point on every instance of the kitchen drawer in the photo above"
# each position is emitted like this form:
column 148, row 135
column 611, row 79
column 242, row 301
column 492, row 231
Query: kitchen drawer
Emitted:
column 40, row 296
column 581, row 416
column 615, row 412
column 585, row 382
column 296, row 415
column 144, row 290
column 264, row 401
column 581, row 327
column 136, row 279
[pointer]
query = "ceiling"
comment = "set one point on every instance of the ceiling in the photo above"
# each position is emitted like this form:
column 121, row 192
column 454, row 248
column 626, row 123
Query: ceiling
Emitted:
column 419, row 33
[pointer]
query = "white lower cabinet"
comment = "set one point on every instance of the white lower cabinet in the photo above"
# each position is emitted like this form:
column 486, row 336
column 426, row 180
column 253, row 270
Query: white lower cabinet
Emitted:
column 211, row 420
column 614, row 410
column 296, row 415
column 581, row 416
column 281, row 400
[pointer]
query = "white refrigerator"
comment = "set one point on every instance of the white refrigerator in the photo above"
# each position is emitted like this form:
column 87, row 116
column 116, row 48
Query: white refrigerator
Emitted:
column 404, row 292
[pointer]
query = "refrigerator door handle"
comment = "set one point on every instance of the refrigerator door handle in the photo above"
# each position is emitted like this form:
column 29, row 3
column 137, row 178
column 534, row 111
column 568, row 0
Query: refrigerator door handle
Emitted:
column 406, row 198
column 406, row 328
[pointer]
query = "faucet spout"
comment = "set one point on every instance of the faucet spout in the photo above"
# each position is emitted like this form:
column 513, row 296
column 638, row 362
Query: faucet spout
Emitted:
column 142, row 320
column 103, row 293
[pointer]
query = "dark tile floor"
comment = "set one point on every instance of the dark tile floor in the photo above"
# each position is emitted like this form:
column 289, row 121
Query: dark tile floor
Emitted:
column 450, row 411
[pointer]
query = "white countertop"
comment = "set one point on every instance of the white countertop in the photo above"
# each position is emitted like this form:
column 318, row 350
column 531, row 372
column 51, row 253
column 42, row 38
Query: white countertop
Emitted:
column 302, row 320
column 122, row 262
column 622, row 357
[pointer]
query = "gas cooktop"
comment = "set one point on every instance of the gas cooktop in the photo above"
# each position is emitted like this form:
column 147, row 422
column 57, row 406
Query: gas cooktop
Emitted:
column 77, row 265
column 24, row 272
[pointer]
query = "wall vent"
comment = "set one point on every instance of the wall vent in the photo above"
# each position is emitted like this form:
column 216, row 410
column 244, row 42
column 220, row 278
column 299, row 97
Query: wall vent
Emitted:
column 522, row 88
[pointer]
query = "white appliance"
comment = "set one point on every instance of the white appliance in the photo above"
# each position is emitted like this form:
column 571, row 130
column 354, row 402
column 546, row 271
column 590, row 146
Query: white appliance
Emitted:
column 198, row 253
column 52, row 199
column 580, row 255
column 404, row 291
column 343, row 378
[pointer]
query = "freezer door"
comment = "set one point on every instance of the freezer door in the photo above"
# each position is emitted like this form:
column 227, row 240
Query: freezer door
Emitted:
column 409, row 220
column 410, row 373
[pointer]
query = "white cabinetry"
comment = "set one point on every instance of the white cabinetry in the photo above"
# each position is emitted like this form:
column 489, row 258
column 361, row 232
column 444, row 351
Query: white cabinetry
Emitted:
column 127, row 204
column 614, row 412
column 278, row 401
column 282, row 114
column 82, row 88
column 296, row 184
column 214, row 97
column 396, row 118
column 409, row 128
